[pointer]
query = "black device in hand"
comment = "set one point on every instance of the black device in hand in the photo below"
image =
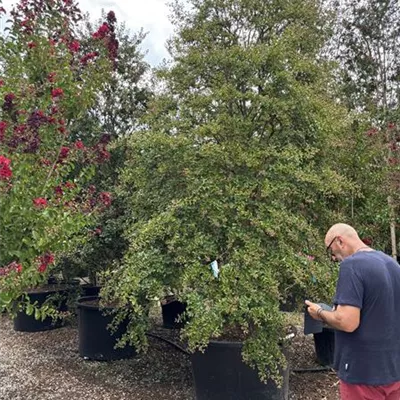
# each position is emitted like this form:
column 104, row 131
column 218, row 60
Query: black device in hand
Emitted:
column 311, row 325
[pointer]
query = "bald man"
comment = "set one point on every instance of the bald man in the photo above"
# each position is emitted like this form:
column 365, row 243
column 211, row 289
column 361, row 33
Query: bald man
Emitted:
column 366, row 318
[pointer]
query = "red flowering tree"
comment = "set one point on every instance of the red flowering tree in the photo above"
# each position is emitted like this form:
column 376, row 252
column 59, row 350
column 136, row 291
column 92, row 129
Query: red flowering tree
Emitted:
column 48, row 82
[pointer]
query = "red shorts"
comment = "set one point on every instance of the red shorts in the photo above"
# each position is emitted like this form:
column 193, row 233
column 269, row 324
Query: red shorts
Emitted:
column 366, row 392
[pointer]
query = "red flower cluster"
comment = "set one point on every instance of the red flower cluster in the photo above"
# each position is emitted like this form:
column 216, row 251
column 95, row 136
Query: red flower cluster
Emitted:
column 393, row 146
column 5, row 171
column 3, row 127
column 14, row 266
column 8, row 104
column 58, row 92
column 36, row 119
column 102, row 31
column 103, row 154
column 45, row 161
column 372, row 132
column 111, row 19
column 58, row 191
column 74, row 46
column 45, row 261
column 61, row 128
column 70, row 185
column 31, row 45
column 39, row 202
column 89, row 56
column 51, row 77
column 79, row 145
column 106, row 32
column 105, row 198
column 63, row 154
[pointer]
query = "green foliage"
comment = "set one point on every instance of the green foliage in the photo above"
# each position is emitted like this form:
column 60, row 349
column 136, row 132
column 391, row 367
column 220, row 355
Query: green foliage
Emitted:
column 235, row 166
column 367, row 35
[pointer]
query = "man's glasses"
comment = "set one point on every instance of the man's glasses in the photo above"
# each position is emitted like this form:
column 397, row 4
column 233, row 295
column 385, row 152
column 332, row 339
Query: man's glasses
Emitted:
column 329, row 251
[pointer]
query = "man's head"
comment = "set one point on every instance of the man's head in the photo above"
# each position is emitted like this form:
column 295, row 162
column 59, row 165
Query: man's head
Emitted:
column 342, row 241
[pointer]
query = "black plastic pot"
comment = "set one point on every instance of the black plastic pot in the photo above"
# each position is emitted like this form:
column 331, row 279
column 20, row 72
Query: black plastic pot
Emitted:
column 220, row 374
column 290, row 304
column 27, row 323
column 171, row 309
column 90, row 290
column 96, row 341
column 325, row 346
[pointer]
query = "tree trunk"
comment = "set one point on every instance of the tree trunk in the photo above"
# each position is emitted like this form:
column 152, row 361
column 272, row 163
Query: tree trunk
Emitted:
column 392, row 214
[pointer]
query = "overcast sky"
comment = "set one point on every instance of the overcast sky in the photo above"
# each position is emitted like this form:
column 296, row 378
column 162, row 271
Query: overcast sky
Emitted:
column 151, row 15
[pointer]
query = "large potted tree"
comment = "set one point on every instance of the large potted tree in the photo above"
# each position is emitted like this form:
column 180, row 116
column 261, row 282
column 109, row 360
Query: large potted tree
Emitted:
column 228, row 187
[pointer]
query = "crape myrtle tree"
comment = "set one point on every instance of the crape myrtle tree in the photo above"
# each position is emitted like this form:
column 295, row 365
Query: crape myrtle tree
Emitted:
column 233, row 167
column 47, row 83
column 115, row 113
column 367, row 44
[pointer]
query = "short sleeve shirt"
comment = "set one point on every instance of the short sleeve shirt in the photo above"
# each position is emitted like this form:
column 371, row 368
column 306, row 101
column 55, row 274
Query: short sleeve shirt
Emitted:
column 370, row 281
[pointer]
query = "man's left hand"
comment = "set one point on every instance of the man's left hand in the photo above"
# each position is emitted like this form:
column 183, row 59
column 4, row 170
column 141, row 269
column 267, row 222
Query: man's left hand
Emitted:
column 312, row 309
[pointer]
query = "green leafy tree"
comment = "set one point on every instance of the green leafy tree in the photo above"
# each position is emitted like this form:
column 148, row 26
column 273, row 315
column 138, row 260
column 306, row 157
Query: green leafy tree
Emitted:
column 368, row 49
column 233, row 167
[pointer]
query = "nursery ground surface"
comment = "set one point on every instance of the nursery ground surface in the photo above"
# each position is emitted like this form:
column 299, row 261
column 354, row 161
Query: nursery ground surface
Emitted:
column 46, row 365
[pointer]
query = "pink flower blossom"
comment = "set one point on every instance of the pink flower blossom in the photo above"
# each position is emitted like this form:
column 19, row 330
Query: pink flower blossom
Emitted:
column 40, row 202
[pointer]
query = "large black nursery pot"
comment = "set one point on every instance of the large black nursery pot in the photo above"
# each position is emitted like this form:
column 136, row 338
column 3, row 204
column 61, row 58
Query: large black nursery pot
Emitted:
column 171, row 309
column 27, row 323
column 325, row 346
column 96, row 342
column 90, row 290
column 220, row 374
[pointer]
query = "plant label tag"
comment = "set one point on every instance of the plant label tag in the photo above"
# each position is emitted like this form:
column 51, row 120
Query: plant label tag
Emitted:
column 214, row 268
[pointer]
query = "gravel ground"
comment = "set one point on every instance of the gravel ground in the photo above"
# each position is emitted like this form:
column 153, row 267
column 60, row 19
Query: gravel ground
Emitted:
column 46, row 365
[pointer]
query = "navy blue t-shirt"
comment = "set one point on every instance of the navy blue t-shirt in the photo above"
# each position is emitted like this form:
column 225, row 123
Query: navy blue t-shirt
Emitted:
column 369, row 280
